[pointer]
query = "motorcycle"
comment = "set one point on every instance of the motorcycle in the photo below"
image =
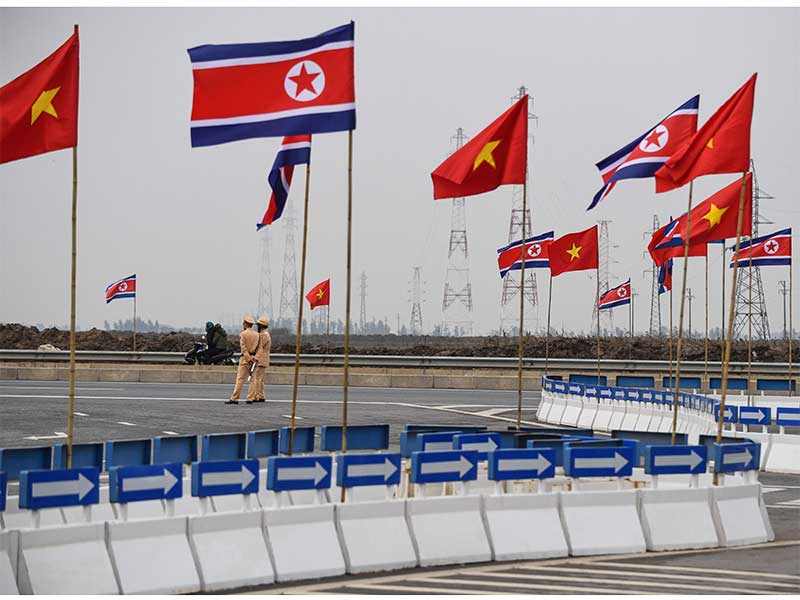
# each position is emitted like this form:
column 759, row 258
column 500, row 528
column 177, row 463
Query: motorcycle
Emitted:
column 199, row 355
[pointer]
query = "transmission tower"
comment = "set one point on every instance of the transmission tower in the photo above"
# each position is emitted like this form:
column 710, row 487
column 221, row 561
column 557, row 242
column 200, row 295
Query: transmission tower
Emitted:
column 751, row 305
column 457, row 298
column 265, row 277
column 416, row 303
column 362, row 321
column 655, row 297
column 509, row 311
column 607, row 319
column 288, row 308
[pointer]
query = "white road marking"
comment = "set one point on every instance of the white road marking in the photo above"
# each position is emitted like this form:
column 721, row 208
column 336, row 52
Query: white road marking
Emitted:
column 539, row 586
column 126, row 423
column 80, row 414
column 412, row 588
column 492, row 412
column 171, row 432
column 60, row 387
column 750, row 574
column 768, row 490
column 296, row 417
column 58, row 435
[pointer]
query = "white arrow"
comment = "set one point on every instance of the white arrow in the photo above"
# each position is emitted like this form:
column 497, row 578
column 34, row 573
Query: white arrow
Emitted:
column 753, row 411
column 635, row 394
column 438, row 446
column 58, row 435
column 742, row 458
column 647, row 396
column 486, row 446
column 461, row 466
column 538, row 464
column 616, row 463
column 678, row 460
column 70, row 487
column 728, row 413
column 243, row 477
column 166, row 481
column 317, row 473
column 605, row 392
column 591, row 391
column 386, row 469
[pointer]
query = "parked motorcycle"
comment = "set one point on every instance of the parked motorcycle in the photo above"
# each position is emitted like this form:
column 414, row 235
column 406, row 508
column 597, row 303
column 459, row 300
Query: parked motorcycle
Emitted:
column 199, row 355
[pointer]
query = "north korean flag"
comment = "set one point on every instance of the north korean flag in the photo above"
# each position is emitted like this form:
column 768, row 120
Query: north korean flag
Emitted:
column 665, row 277
column 509, row 258
column 767, row 250
column 294, row 150
column 272, row 89
column 616, row 296
column 124, row 288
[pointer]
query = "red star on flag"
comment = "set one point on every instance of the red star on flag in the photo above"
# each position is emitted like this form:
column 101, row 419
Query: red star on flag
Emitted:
column 304, row 81
column 652, row 139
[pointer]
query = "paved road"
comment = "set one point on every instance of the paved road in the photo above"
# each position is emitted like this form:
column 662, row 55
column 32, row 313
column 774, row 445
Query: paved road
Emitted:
column 36, row 409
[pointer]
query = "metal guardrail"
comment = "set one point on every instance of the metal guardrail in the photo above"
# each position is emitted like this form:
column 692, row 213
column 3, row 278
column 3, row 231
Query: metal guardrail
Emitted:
column 574, row 365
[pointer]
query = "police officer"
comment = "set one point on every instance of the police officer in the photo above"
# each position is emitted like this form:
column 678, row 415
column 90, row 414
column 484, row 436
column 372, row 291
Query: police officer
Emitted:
column 248, row 343
column 256, row 391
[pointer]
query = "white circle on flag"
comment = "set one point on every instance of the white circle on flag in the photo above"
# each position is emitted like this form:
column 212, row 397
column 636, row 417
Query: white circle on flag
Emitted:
column 534, row 250
column 305, row 81
column 655, row 140
column 621, row 292
column 123, row 286
column 771, row 247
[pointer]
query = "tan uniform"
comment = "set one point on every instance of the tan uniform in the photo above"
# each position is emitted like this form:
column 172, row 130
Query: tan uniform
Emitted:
column 248, row 343
column 256, row 390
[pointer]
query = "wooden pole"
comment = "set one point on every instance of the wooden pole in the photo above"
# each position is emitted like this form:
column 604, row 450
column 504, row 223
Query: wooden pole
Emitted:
column 727, row 357
column 134, row 322
column 722, row 314
column 705, row 343
column 750, row 331
column 670, row 333
column 522, row 303
column 70, row 414
column 547, row 339
column 677, row 380
column 597, row 303
column 347, row 293
column 630, row 326
column 791, row 390
column 301, row 297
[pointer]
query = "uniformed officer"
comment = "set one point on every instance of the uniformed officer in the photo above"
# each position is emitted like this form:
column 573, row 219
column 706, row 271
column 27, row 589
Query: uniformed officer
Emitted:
column 256, row 391
column 248, row 343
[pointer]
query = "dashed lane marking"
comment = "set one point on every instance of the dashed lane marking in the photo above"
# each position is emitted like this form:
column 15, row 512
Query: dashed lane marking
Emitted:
column 296, row 417
column 170, row 432
column 126, row 423
column 80, row 414
column 385, row 587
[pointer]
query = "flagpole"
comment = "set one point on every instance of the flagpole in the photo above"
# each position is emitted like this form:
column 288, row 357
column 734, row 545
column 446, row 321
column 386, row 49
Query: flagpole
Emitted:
column 547, row 339
column 347, row 293
column 670, row 329
column 300, row 309
column 705, row 344
column 750, row 331
column 597, row 301
column 134, row 321
column 521, row 302
column 630, row 326
column 722, row 315
column 727, row 357
column 70, row 414
column 677, row 380
column 790, row 328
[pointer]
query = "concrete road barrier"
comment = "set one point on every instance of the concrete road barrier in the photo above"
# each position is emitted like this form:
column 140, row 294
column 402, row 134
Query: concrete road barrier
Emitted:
column 677, row 519
column 8, row 563
column 740, row 515
column 784, row 454
column 602, row 522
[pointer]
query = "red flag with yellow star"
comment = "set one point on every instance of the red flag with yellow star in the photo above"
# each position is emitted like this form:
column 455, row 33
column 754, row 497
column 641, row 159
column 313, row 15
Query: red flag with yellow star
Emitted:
column 721, row 145
column 320, row 294
column 574, row 252
column 498, row 155
column 39, row 109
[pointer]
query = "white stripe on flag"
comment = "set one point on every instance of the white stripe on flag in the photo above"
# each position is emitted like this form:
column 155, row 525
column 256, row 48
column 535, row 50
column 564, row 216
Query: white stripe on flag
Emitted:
column 294, row 146
column 261, row 60
column 274, row 116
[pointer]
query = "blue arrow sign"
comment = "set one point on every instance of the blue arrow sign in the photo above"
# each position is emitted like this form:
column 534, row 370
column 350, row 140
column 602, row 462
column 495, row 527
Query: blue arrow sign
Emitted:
column 224, row 477
column 606, row 392
column 671, row 460
column 619, row 393
column 3, row 484
column 286, row 473
column 633, row 395
column 67, row 487
column 591, row 391
column 522, row 463
column 736, row 457
column 146, row 482
column 647, row 395
column 547, row 384
column 434, row 442
column 368, row 469
column 755, row 415
column 432, row 467
column 614, row 461
column 658, row 396
column 788, row 417
column 576, row 389
column 731, row 413
column 560, row 387
column 482, row 443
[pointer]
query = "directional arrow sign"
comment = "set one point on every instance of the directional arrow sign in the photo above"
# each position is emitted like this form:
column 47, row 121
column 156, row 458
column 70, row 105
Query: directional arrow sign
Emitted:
column 286, row 473
column 632, row 395
column 68, row 487
column 147, row 482
column 614, row 461
column 788, row 417
column 521, row 463
column 619, row 394
column 591, row 392
column 605, row 392
column 669, row 460
column 731, row 413
column 482, row 443
column 224, row 477
column 647, row 396
column 560, row 387
column 736, row 457
column 575, row 388
column 755, row 415
column 3, row 483
column 430, row 467
column 367, row 469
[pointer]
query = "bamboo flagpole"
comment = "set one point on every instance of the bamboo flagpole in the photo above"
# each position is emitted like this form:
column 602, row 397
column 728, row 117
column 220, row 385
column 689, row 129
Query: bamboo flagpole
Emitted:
column 597, row 304
column 705, row 343
column 134, row 317
column 71, row 414
column 347, row 293
column 750, row 331
column 791, row 383
column 547, row 339
column 677, row 380
column 722, row 314
column 301, row 297
column 670, row 333
column 522, row 302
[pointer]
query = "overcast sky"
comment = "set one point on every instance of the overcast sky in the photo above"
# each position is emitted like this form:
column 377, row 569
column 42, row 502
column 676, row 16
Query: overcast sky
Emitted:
column 183, row 219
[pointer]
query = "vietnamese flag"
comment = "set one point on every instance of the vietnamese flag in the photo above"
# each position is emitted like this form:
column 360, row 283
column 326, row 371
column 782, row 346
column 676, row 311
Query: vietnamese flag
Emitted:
column 574, row 252
column 39, row 109
column 498, row 155
column 721, row 145
column 320, row 294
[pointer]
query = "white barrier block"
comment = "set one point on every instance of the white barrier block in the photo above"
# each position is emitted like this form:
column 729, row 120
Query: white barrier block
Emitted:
column 677, row 519
column 267, row 498
column 71, row 559
column 146, row 509
column 50, row 517
column 632, row 412
column 602, row 420
column 305, row 497
column 361, row 524
column 99, row 513
column 544, row 406
column 448, row 530
column 234, row 503
column 655, row 418
column 187, row 505
column 557, row 409
column 304, row 542
column 784, row 453
column 572, row 410
column 230, row 549
column 740, row 515
column 153, row 556
column 617, row 414
column 8, row 563
column 666, row 421
column 588, row 413
column 602, row 522
column 645, row 416
column 524, row 526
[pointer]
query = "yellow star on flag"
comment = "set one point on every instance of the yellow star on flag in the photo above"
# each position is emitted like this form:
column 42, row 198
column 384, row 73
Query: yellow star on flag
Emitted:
column 714, row 215
column 574, row 252
column 485, row 155
column 320, row 294
column 44, row 103
column 710, row 143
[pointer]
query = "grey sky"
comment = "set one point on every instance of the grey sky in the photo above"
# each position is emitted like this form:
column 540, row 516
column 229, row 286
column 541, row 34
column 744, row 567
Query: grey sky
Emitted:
column 183, row 219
